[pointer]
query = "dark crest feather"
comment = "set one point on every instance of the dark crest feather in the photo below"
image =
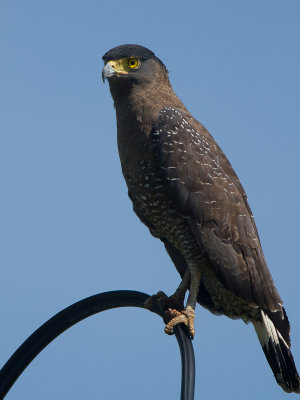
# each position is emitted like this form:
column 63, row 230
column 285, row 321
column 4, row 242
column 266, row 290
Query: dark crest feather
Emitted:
column 128, row 50
column 131, row 50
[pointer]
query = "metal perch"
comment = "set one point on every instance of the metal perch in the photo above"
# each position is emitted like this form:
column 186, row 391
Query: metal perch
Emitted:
column 79, row 311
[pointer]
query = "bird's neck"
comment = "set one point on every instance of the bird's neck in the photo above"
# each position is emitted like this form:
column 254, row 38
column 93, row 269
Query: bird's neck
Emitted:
column 137, row 110
column 142, row 103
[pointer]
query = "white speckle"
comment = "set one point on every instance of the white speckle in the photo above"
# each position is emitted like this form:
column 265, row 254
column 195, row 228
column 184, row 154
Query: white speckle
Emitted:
column 172, row 179
column 253, row 238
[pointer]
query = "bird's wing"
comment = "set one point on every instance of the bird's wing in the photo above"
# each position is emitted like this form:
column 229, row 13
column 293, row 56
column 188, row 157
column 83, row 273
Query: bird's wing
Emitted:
column 204, row 188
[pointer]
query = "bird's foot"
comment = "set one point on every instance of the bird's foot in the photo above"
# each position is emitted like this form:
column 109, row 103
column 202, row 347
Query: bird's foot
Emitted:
column 173, row 312
column 164, row 302
column 186, row 317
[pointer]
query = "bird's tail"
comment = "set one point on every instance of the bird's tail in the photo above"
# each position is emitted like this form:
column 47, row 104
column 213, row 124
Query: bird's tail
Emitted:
column 273, row 332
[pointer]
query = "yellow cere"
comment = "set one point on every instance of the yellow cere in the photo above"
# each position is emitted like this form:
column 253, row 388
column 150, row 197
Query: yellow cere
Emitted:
column 124, row 65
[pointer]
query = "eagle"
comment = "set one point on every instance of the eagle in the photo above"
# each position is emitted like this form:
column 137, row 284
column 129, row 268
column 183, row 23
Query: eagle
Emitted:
column 184, row 189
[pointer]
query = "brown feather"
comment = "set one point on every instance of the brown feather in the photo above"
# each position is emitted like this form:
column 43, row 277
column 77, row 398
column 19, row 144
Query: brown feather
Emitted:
column 215, row 205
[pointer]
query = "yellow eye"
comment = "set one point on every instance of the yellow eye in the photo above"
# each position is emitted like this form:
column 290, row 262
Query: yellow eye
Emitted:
column 133, row 63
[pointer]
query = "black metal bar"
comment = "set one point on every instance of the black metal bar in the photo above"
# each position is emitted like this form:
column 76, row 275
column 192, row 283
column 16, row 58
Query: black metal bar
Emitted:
column 76, row 313
column 187, row 363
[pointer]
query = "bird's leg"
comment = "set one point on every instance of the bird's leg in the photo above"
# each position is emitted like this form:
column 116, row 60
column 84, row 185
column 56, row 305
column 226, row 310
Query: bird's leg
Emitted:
column 180, row 292
column 174, row 302
column 175, row 313
column 187, row 316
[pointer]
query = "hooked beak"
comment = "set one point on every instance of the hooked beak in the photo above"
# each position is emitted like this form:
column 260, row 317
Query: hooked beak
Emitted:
column 107, row 71
column 114, row 67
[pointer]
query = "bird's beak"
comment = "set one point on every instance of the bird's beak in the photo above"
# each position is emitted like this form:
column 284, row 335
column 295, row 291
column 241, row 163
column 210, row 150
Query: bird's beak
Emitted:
column 114, row 67
column 107, row 71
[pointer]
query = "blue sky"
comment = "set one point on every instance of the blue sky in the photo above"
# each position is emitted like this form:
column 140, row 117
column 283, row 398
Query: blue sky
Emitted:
column 67, row 226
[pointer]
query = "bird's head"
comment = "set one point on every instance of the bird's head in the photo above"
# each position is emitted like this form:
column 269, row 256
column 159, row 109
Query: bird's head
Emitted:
column 138, row 79
column 131, row 64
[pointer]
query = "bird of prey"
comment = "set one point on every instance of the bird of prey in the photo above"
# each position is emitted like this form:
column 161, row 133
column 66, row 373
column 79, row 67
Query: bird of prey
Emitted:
column 186, row 192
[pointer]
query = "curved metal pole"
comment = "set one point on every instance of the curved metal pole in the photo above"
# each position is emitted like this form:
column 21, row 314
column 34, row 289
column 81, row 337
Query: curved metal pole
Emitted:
column 79, row 311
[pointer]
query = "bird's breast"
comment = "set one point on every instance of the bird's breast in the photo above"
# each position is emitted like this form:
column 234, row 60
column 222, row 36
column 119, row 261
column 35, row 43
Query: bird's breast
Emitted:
column 146, row 187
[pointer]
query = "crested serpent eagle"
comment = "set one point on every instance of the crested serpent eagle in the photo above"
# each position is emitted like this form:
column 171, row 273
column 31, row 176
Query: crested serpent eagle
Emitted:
column 186, row 192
